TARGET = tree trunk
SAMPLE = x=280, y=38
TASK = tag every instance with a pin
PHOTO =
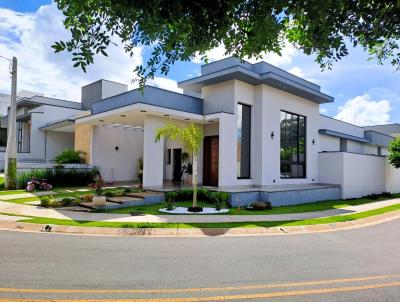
x=194, y=179
x=11, y=150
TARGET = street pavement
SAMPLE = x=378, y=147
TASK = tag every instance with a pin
x=354, y=265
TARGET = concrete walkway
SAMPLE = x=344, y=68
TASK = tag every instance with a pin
x=27, y=210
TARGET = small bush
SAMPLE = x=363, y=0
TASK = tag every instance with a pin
x=170, y=198
x=127, y=191
x=261, y=205
x=386, y=194
x=86, y=198
x=67, y=202
x=109, y=194
x=69, y=156
x=48, y=201
x=219, y=199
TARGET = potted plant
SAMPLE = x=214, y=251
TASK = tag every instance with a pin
x=99, y=199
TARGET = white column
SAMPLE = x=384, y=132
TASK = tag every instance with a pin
x=153, y=153
x=227, y=173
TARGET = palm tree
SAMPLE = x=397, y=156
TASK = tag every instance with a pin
x=190, y=137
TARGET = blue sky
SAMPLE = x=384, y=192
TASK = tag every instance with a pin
x=364, y=92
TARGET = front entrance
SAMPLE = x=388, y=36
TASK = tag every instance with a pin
x=177, y=171
x=210, y=160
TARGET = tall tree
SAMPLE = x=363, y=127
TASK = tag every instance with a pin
x=394, y=153
x=178, y=30
x=190, y=137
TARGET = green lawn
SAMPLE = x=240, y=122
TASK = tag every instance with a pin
x=302, y=208
x=332, y=219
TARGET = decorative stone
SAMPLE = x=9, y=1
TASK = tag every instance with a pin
x=184, y=210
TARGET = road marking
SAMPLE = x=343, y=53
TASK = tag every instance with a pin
x=200, y=289
x=223, y=298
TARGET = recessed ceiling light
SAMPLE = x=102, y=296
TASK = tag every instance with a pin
x=101, y=121
x=211, y=121
x=187, y=119
x=166, y=114
x=122, y=115
x=143, y=111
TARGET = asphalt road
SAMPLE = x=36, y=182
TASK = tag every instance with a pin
x=355, y=265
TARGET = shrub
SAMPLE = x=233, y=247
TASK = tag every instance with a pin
x=170, y=198
x=86, y=197
x=109, y=194
x=203, y=194
x=69, y=156
x=259, y=205
x=386, y=194
x=59, y=177
x=48, y=201
x=219, y=199
x=67, y=202
x=127, y=191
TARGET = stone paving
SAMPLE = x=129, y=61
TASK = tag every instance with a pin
x=28, y=210
x=26, y=195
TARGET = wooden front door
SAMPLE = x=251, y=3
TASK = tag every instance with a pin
x=210, y=160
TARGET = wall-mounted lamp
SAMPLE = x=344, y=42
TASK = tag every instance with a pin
x=116, y=148
x=272, y=135
x=313, y=141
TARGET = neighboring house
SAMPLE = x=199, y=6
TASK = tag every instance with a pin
x=46, y=126
x=264, y=137
x=389, y=129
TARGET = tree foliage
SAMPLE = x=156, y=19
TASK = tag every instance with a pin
x=394, y=153
x=178, y=30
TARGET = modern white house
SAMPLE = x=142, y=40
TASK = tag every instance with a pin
x=264, y=137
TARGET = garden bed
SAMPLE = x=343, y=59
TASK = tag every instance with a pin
x=184, y=210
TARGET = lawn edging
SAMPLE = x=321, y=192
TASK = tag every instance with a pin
x=291, y=228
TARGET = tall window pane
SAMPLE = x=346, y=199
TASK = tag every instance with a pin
x=243, y=141
x=293, y=145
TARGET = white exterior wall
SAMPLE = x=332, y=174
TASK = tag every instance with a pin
x=355, y=147
x=392, y=178
x=121, y=164
x=41, y=148
x=358, y=174
x=328, y=143
x=267, y=103
x=339, y=126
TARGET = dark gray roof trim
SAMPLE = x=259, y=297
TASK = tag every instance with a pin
x=370, y=137
x=259, y=73
x=377, y=138
x=58, y=124
x=343, y=135
x=151, y=96
x=41, y=100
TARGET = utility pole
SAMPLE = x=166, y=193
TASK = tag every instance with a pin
x=11, y=150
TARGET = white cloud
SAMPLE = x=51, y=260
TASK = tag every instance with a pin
x=363, y=111
x=165, y=83
x=286, y=57
x=28, y=36
x=323, y=110
x=297, y=71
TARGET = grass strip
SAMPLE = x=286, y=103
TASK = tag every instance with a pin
x=326, y=220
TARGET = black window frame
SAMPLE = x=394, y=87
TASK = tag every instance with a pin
x=298, y=162
x=249, y=141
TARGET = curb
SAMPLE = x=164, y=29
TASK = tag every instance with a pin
x=199, y=232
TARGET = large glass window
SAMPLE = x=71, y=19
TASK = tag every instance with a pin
x=243, y=141
x=293, y=148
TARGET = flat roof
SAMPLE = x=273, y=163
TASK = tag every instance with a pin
x=258, y=73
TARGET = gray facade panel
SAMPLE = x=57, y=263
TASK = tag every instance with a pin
x=151, y=96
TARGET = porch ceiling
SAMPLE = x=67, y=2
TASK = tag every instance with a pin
x=134, y=116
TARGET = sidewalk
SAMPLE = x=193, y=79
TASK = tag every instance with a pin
x=27, y=210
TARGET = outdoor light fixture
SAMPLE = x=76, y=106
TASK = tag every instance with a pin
x=211, y=121
x=101, y=121
x=122, y=115
x=143, y=111
x=166, y=114
x=313, y=141
x=187, y=119
x=272, y=135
